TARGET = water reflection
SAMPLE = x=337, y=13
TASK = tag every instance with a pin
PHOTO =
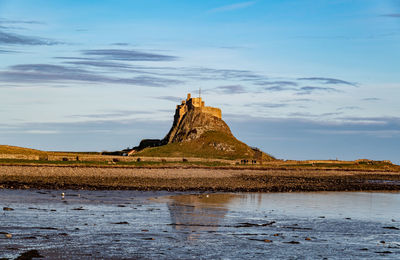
x=205, y=212
x=197, y=214
x=356, y=225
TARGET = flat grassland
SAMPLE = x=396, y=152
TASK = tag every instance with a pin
x=24, y=169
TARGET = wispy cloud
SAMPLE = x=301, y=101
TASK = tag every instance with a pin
x=39, y=73
x=230, y=89
x=371, y=99
x=329, y=81
x=300, y=100
x=72, y=58
x=309, y=115
x=17, y=39
x=310, y=89
x=276, y=86
x=101, y=64
x=393, y=15
x=121, y=58
x=41, y=132
x=112, y=115
x=170, y=98
x=120, y=44
x=376, y=133
x=7, y=51
x=299, y=85
x=232, y=7
x=121, y=61
x=389, y=121
x=348, y=108
x=88, y=127
x=10, y=27
x=277, y=83
x=223, y=74
x=7, y=21
x=267, y=105
x=127, y=55
x=47, y=68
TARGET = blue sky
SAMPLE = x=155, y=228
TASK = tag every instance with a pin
x=299, y=79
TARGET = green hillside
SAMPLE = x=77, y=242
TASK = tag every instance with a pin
x=211, y=144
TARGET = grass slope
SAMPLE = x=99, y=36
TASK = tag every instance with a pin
x=8, y=149
x=16, y=150
x=212, y=144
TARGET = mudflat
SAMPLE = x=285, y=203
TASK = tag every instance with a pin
x=196, y=178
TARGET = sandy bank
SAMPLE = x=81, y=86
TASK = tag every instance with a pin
x=210, y=179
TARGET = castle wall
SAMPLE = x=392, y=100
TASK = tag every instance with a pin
x=195, y=102
x=212, y=111
x=191, y=103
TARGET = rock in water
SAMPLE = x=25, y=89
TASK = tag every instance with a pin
x=29, y=255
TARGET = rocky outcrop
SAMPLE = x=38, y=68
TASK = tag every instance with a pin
x=199, y=131
x=193, y=125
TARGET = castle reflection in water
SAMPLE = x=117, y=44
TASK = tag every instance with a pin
x=196, y=214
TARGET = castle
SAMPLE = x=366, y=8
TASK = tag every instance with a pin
x=191, y=103
x=186, y=106
x=199, y=131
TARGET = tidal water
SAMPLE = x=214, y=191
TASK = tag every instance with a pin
x=163, y=225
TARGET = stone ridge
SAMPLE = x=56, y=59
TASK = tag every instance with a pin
x=192, y=118
x=193, y=124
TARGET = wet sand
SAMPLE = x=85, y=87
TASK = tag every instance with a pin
x=197, y=179
x=71, y=224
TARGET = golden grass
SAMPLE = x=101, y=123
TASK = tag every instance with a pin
x=8, y=149
x=172, y=155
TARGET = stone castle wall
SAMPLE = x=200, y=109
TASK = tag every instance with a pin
x=196, y=102
x=191, y=103
x=212, y=111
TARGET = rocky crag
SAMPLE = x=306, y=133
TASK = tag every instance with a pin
x=199, y=131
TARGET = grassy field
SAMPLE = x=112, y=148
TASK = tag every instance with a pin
x=346, y=167
x=154, y=157
x=111, y=163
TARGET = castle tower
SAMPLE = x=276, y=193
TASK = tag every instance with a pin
x=194, y=103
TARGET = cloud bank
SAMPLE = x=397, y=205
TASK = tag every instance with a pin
x=17, y=39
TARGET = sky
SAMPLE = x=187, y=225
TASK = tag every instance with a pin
x=308, y=79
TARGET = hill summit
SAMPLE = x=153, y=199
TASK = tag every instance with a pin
x=199, y=131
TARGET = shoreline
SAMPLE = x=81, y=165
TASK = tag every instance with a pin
x=178, y=178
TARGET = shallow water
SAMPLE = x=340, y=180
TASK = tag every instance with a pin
x=134, y=224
